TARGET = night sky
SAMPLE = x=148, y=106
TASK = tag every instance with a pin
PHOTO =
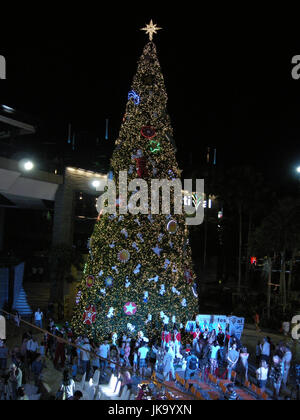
x=228, y=81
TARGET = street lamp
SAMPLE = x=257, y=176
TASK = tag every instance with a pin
x=298, y=169
x=96, y=184
x=28, y=165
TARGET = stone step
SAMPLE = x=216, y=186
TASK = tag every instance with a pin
x=22, y=305
x=38, y=294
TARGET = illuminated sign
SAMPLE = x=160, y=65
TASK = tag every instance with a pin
x=196, y=201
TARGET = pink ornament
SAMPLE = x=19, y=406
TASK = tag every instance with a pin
x=130, y=308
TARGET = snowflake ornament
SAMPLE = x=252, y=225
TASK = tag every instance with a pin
x=130, y=327
x=167, y=263
x=124, y=232
x=155, y=279
x=134, y=245
x=137, y=269
x=162, y=290
x=146, y=294
x=140, y=237
x=127, y=283
x=149, y=319
x=110, y=313
x=157, y=250
x=160, y=236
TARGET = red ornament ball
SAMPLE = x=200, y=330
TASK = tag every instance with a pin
x=148, y=132
x=90, y=281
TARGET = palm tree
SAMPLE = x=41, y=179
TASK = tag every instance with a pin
x=242, y=190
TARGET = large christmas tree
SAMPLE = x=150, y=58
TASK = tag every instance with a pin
x=139, y=276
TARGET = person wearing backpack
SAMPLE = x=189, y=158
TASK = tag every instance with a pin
x=191, y=365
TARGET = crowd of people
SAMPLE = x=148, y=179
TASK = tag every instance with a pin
x=275, y=365
x=214, y=352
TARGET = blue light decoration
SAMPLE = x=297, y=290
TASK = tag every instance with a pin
x=69, y=136
x=133, y=95
x=215, y=156
x=106, y=128
x=171, y=175
x=109, y=281
x=194, y=290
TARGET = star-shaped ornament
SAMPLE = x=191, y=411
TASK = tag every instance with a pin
x=157, y=250
x=130, y=308
x=151, y=29
x=89, y=316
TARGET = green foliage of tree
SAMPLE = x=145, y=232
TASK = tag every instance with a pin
x=125, y=264
x=279, y=234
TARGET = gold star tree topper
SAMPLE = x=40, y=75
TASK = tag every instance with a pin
x=151, y=29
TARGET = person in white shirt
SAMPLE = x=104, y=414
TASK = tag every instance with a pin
x=265, y=350
x=262, y=375
x=104, y=351
x=168, y=363
x=85, y=357
x=142, y=353
x=38, y=316
x=32, y=347
x=67, y=388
